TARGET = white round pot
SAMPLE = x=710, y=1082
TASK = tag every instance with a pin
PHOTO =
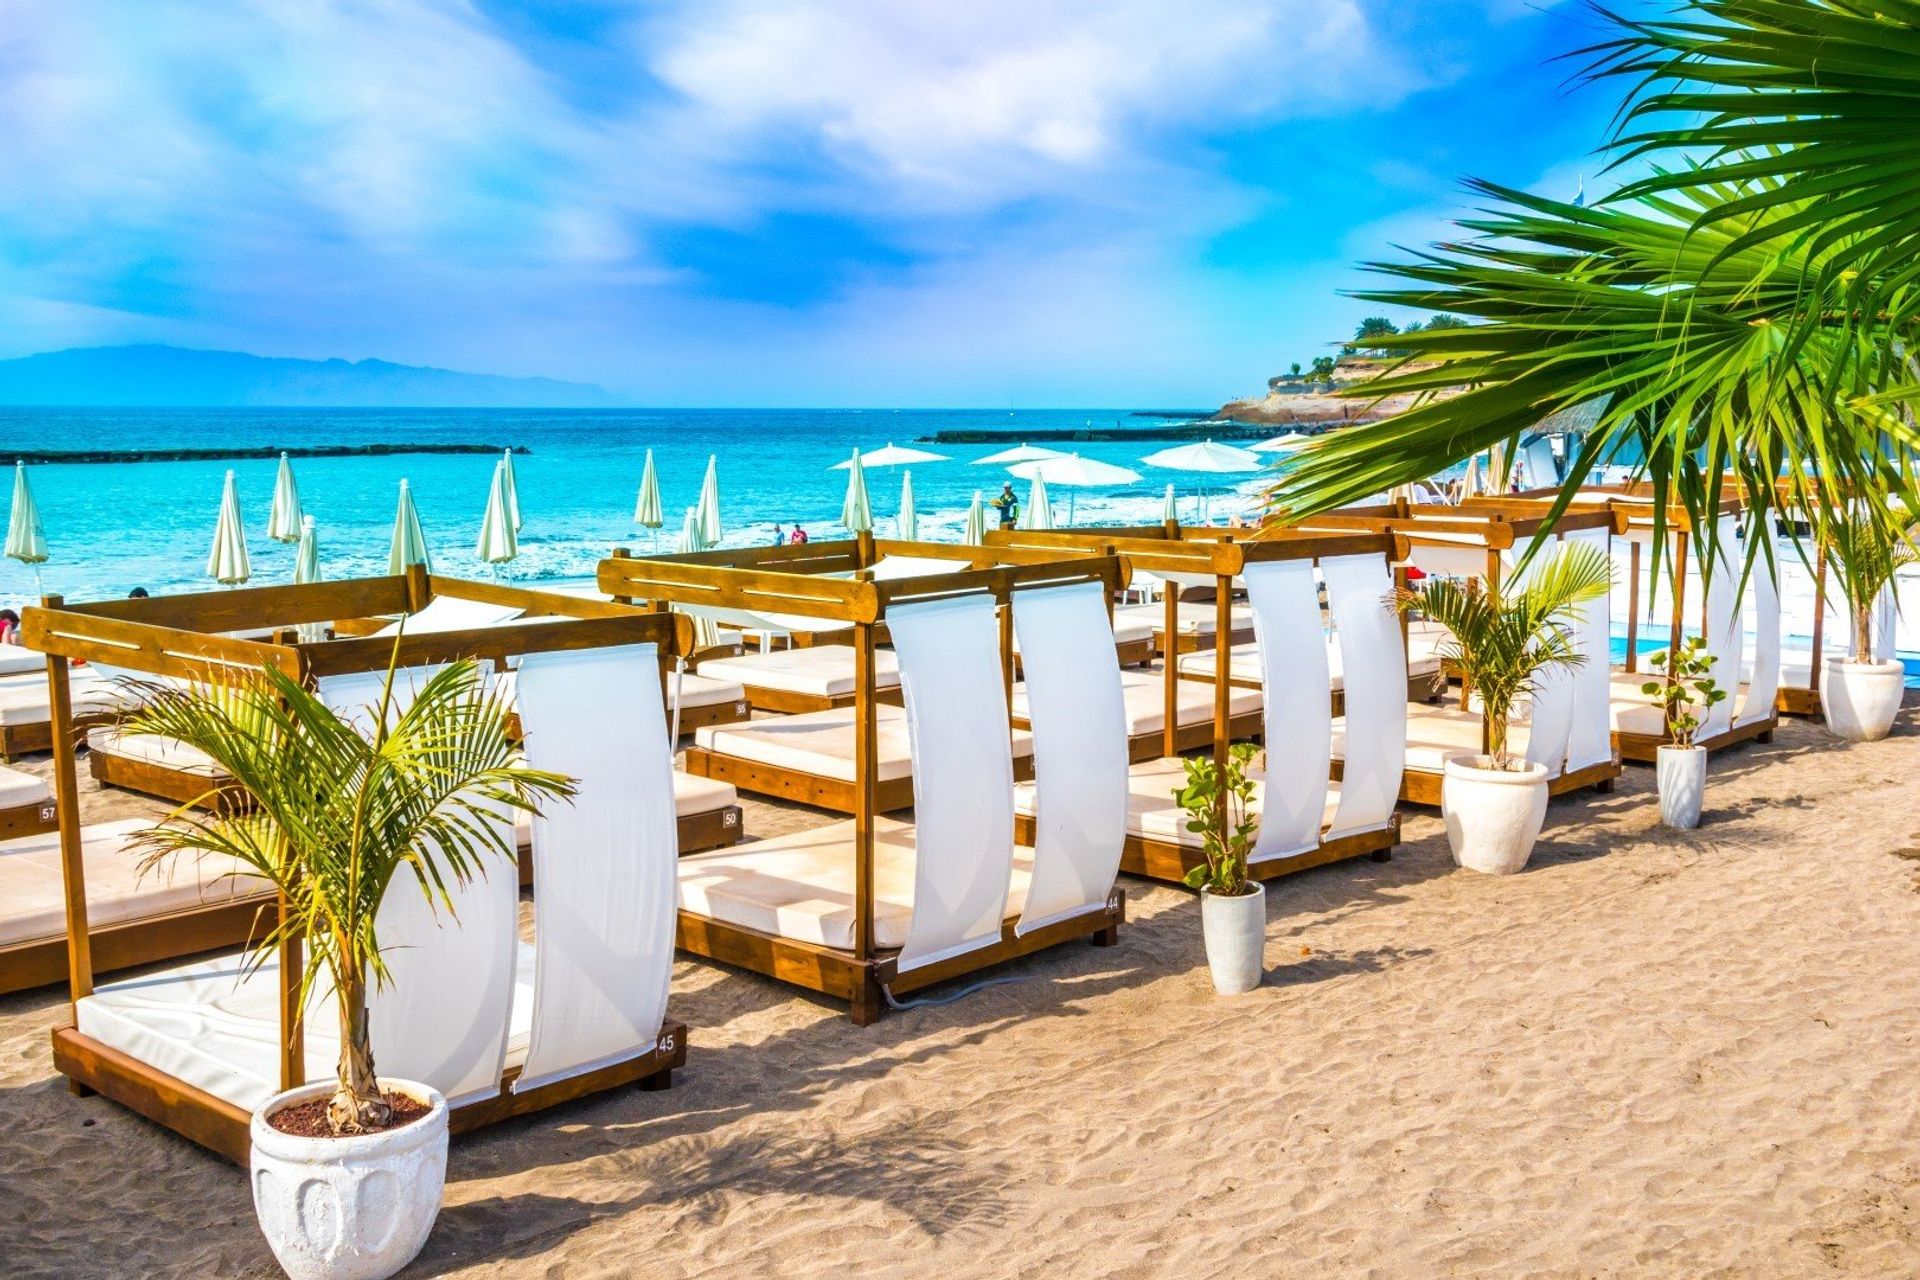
x=1683, y=784
x=1493, y=815
x=1235, y=930
x=356, y=1208
x=1860, y=699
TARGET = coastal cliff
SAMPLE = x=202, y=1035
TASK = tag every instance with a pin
x=1296, y=402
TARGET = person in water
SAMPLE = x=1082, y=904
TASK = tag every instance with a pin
x=1008, y=506
x=799, y=536
x=780, y=535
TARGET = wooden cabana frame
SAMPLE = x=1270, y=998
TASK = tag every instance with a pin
x=1494, y=531
x=865, y=975
x=770, y=578
x=180, y=637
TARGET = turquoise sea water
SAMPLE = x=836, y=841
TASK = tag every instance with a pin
x=114, y=526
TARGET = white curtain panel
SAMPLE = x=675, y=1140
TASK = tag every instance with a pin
x=950, y=679
x=1079, y=723
x=1373, y=660
x=1297, y=695
x=1589, y=740
x=442, y=1019
x=1723, y=625
x=1550, y=704
x=605, y=890
x=1449, y=560
x=1763, y=685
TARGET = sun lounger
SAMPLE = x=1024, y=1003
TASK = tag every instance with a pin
x=26, y=805
x=1143, y=692
x=1424, y=677
x=1195, y=627
x=18, y=661
x=26, y=714
x=815, y=678
x=500, y=1027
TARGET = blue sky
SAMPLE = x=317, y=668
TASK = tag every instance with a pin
x=780, y=202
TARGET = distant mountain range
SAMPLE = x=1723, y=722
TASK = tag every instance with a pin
x=163, y=375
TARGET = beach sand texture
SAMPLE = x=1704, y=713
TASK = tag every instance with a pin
x=1653, y=1054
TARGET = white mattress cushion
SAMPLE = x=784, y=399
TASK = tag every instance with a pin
x=35, y=900
x=19, y=789
x=16, y=660
x=1153, y=814
x=1192, y=617
x=801, y=886
x=1436, y=733
x=1245, y=664
x=1128, y=628
x=1144, y=692
x=1632, y=711
x=154, y=749
x=822, y=670
x=23, y=698
x=216, y=1027
x=692, y=797
x=694, y=690
x=820, y=743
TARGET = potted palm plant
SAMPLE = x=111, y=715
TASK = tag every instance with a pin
x=1684, y=697
x=1494, y=802
x=333, y=817
x=1859, y=696
x=1233, y=907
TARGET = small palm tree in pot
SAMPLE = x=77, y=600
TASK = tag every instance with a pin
x=334, y=810
x=1502, y=641
x=1860, y=696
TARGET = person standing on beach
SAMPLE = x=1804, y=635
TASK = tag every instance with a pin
x=780, y=535
x=799, y=536
x=1008, y=506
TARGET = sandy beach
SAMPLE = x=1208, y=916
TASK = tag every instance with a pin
x=1651, y=1054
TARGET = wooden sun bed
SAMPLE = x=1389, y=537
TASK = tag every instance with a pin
x=26, y=805
x=1425, y=679
x=1144, y=692
x=819, y=909
x=817, y=677
x=179, y=637
x=26, y=715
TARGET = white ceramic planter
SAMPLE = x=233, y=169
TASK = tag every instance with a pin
x=1682, y=776
x=1860, y=699
x=1235, y=930
x=349, y=1208
x=1493, y=816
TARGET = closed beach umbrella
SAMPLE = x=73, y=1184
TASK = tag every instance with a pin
x=283, y=522
x=892, y=455
x=1170, y=514
x=691, y=539
x=1075, y=472
x=306, y=568
x=856, y=513
x=646, y=511
x=907, y=526
x=498, y=543
x=25, y=540
x=227, y=562
x=1039, y=510
x=1019, y=453
x=409, y=543
x=976, y=521
x=709, y=507
x=512, y=487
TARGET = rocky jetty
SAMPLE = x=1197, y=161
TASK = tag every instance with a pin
x=37, y=456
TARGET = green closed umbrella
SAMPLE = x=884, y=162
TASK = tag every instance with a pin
x=283, y=522
x=646, y=511
x=227, y=562
x=409, y=543
x=513, y=488
x=709, y=507
x=856, y=513
x=1039, y=511
x=306, y=569
x=1171, y=512
x=26, y=542
x=976, y=533
x=906, y=526
x=498, y=544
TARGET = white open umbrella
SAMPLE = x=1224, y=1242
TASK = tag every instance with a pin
x=976, y=533
x=906, y=526
x=1281, y=444
x=1039, y=508
x=512, y=487
x=856, y=513
x=498, y=542
x=227, y=562
x=25, y=540
x=709, y=507
x=409, y=544
x=306, y=568
x=892, y=455
x=1075, y=472
x=1019, y=453
x=1209, y=457
x=646, y=510
x=283, y=522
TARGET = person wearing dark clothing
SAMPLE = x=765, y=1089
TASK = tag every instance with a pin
x=1008, y=506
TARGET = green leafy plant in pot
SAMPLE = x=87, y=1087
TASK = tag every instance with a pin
x=1502, y=641
x=334, y=816
x=1684, y=697
x=1233, y=913
x=1866, y=546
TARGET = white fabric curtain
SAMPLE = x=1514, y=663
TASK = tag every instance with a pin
x=1078, y=718
x=950, y=679
x=1763, y=685
x=1297, y=705
x=1589, y=740
x=1550, y=705
x=443, y=1017
x=1449, y=560
x=1373, y=660
x=605, y=890
x=1723, y=626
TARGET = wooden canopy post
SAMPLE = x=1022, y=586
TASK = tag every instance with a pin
x=1819, y=615
x=1170, y=669
x=1222, y=693
x=66, y=791
x=865, y=763
x=1633, y=606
